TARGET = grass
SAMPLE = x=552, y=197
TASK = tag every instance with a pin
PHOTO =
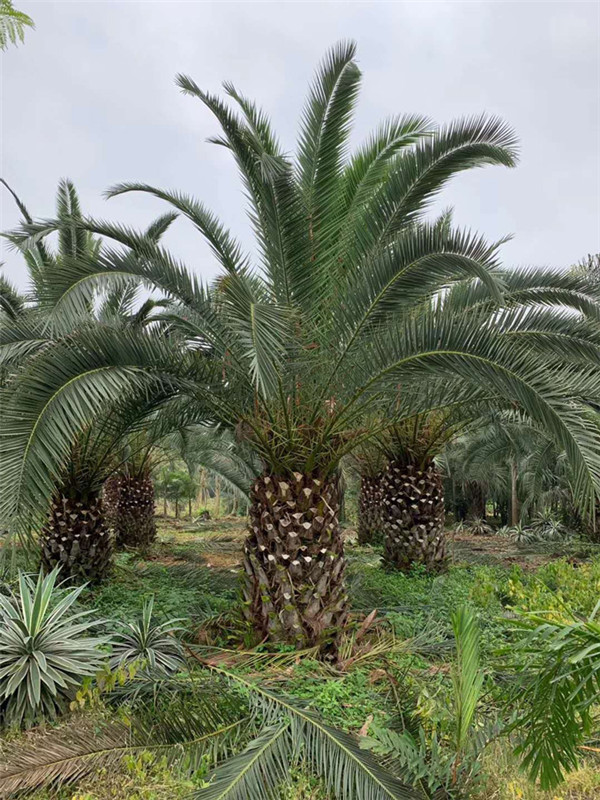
x=192, y=573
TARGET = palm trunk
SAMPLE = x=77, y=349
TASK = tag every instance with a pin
x=369, y=510
x=477, y=500
x=514, y=498
x=294, y=561
x=413, y=517
x=77, y=538
x=110, y=498
x=203, y=487
x=217, y=498
x=133, y=517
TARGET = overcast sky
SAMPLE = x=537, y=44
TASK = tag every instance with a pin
x=91, y=96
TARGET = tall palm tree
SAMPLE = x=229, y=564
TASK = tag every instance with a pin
x=294, y=352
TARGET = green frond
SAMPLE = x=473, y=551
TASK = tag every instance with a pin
x=257, y=772
x=12, y=24
x=226, y=249
x=418, y=175
x=335, y=756
x=467, y=676
x=324, y=130
x=160, y=226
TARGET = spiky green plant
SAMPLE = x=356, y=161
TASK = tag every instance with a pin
x=357, y=307
x=548, y=528
x=522, y=535
x=45, y=649
x=479, y=527
x=148, y=643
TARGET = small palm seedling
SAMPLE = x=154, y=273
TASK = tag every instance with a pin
x=152, y=645
x=444, y=761
x=479, y=527
x=45, y=650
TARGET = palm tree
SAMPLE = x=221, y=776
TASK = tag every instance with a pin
x=128, y=495
x=295, y=353
x=368, y=462
x=412, y=492
x=411, y=488
x=76, y=532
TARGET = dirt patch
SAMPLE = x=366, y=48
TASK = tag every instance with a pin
x=499, y=551
x=223, y=560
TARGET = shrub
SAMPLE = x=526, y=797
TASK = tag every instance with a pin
x=45, y=651
x=479, y=527
x=521, y=535
x=556, y=585
x=149, y=643
x=550, y=529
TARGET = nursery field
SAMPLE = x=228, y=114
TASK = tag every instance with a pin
x=375, y=444
x=395, y=669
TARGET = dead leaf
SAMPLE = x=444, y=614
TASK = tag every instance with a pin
x=366, y=725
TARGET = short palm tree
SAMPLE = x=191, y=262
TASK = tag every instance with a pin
x=412, y=492
x=128, y=495
x=295, y=352
x=76, y=534
x=368, y=462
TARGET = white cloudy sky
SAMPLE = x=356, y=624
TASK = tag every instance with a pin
x=91, y=96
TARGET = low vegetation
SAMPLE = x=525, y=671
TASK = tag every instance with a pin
x=422, y=681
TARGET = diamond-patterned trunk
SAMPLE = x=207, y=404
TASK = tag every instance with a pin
x=130, y=509
x=369, y=510
x=413, y=517
x=77, y=538
x=293, y=582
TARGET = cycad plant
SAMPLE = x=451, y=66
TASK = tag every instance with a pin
x=335, y=321
x=45, y=649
